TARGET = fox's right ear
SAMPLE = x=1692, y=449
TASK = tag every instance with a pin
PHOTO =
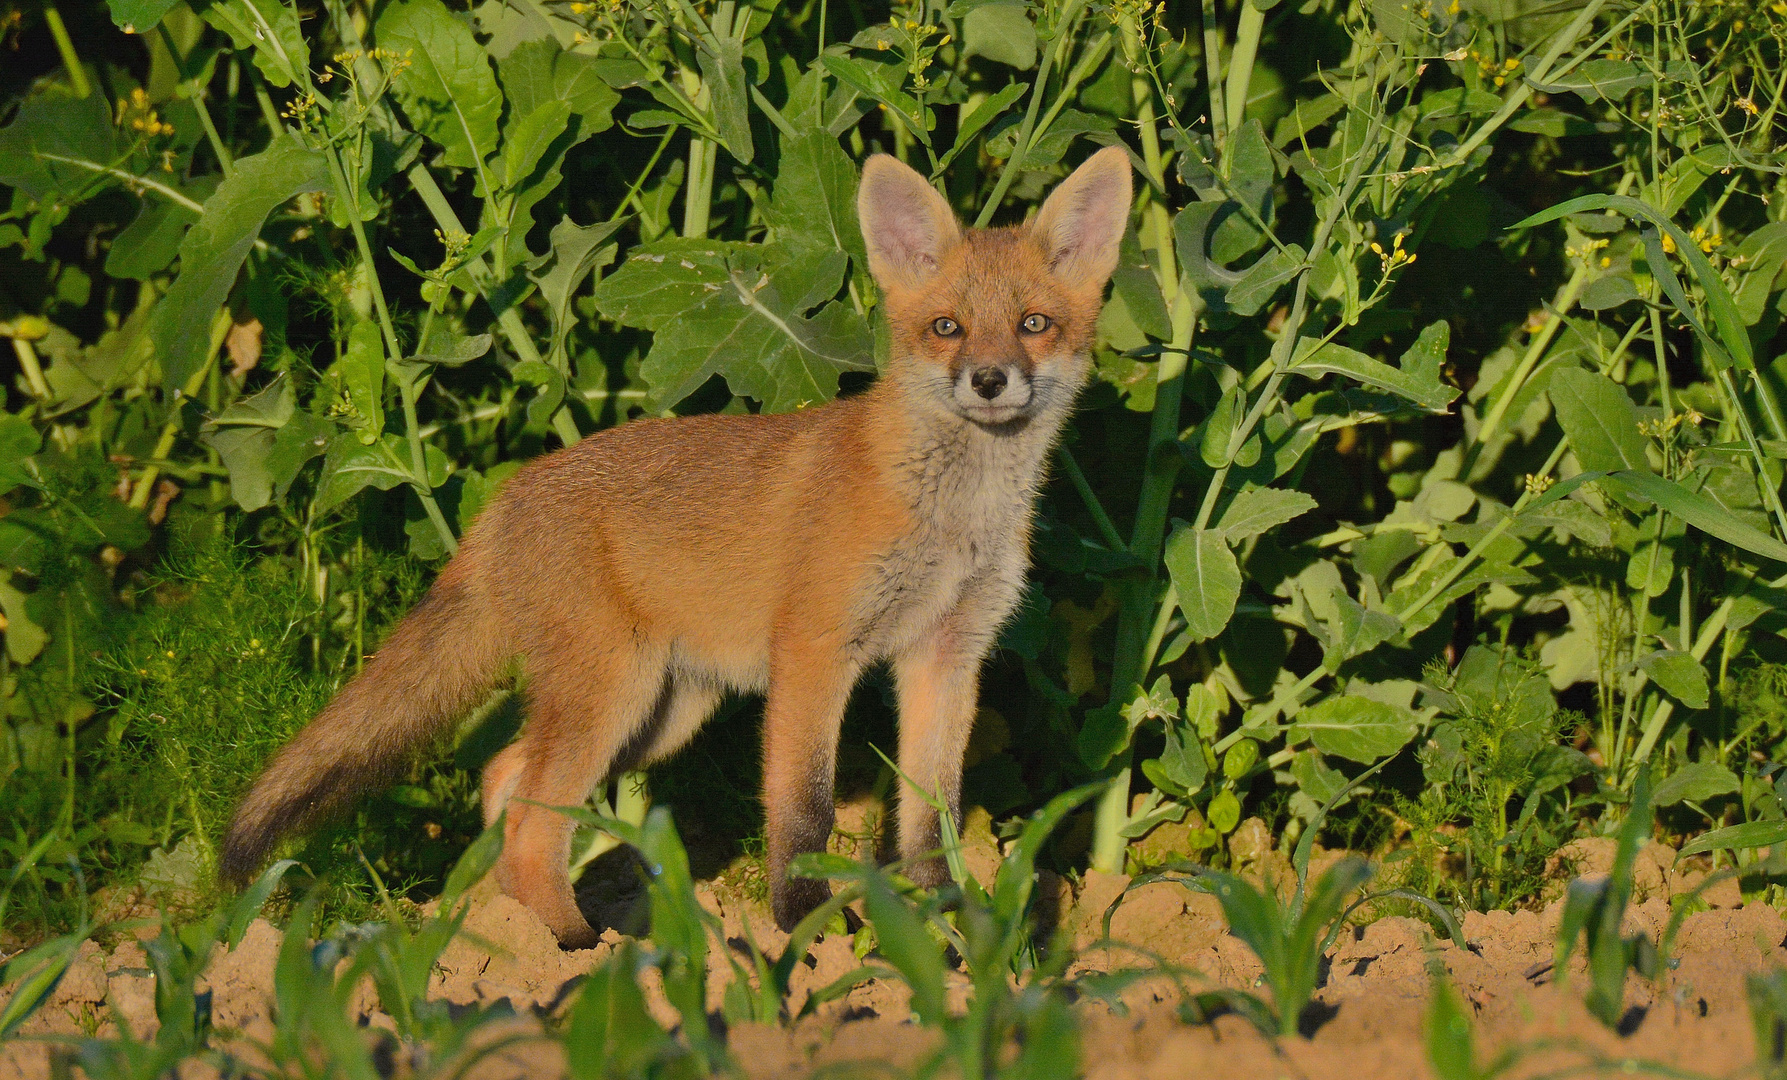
x=906, y=225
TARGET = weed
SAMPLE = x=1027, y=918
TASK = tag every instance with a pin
x=1496, y=803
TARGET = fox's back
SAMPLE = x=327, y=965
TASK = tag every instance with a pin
x=704, y=527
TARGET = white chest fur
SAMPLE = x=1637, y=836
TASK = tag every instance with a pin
x=971, y=495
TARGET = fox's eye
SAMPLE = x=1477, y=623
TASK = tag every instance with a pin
x=1035, y=324
x=946, y=327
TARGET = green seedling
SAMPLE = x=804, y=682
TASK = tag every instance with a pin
x=1010, y=1001
x=1594, y=909
x=1767, y=992
x=178, y=958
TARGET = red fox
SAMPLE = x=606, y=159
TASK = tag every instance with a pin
x=643, y=572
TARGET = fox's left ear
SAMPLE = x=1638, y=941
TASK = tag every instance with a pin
x=1081, y=223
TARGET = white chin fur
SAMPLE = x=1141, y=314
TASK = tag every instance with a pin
x=1017, y=399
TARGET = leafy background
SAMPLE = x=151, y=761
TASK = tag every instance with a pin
x=1430, y=476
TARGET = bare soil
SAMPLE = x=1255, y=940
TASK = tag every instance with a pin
x=1366, y=1022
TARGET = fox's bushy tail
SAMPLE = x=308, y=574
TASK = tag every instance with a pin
x=436, y=665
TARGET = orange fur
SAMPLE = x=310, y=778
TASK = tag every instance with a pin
x=644, y=571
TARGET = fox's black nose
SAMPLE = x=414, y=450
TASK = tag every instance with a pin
x=989, y=382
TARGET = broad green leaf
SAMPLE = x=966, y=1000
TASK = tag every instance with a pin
x=1264, y=278
x=1608, y=292
x=1599, y=419
x=525, y=142
x=55, y=144
x=152, y=240
x=24, y=638
x=1134, y=287
x=1697, y=510
x=138, y=16
x=1356, y=630
x=658, y=282
x=447, y=90
x=1219, y=427
x=1610, y=79
x=1418, y=379
x=1102, y=733
x=267, y=29
x=1697, y=783
x=451, y=350
x=363, y=377
x=1651, y=569
x=1251, y=513
x=1751, y=834
x=1206, y=577
x=1049, y=147
x=723, y=70
x=1401, y=601
x=1680, y=675
x=813, y=207
x=576, y=251
x=351, y=465
x=1001, y=32
x=983, y=114
x=305, y=436
x=1252, y=168
x=1356, y=728
x=1316, y=779
x=1224, y=815
x=1678, y=183
x=537, y=72
x=1182, y=761
x=215, y=248
x=740, y=312
x=19, y=439
x=243, y=436
x=538, y=78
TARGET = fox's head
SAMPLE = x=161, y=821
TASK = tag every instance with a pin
x=993, y=325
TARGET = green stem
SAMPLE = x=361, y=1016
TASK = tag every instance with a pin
x=1458, y=568
x=1138, y=612
x=1247, y=43
x=394, y=352
x=698, y=191
x=71, y=60
x=1112, y=538
x=1524, y=88
x=224, y=158
x=1566, y=299
x=1742, y=417
x=508, y=320
x=1219, y=116
x=170, y=431
x=1665, y=708
x=1020, y=147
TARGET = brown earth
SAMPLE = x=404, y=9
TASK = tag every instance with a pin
x=1366, y=1022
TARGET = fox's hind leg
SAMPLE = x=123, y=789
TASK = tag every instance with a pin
x=501, y=774
x=583, y=709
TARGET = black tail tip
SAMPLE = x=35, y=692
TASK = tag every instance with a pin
x=242, y=858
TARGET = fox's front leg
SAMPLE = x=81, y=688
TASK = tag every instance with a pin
x=939, y=686
x=809, y=687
